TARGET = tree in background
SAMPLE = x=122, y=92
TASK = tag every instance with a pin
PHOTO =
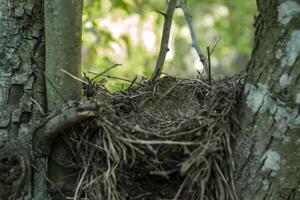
x=267, y=151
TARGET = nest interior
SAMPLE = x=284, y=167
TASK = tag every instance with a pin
x=164, y=139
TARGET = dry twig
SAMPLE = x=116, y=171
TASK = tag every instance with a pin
x=193, y=35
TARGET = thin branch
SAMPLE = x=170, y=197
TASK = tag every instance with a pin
x=165, y=39
x=106, y=70
x=74, y=77
x=55, y=89
x=132, y=83
x=215, y=45
x=209, y=65
x=193, y=35
x=160, y=12
x=180, y=189
x=209, y=53
x=38, y=105
x=63, y=120
x=117, y=78
x=80, y=183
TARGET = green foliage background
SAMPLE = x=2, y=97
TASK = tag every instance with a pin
x=129, y=31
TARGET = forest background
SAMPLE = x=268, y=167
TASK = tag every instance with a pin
x=128, y=32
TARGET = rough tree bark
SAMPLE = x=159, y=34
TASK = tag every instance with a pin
x=267, y=156
x=22, y=97
x=23, y=80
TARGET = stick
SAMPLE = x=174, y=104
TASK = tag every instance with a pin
x=193, y=35
x=80, y=183
x=165, y=39
x=106, y=70
x=209, y=65
x=53, y=86
x=132, y=83
x=74, y=77
x=117, y=78
x=209, y=53
x=215, y=45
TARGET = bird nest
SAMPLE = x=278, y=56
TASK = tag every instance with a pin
x=164, y=139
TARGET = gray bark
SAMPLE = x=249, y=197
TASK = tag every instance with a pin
x=267, y=155
x=63, y=51
x=22, y=97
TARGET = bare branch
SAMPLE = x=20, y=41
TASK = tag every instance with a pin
x=193, y=35
x=106, y=70
x=63, y=120
x=160, y=12
x=165, y=39
x=209, y=65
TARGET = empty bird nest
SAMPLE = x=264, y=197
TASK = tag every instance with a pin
x=168, y=139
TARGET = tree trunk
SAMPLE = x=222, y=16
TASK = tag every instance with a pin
x=63, y=66
x=267, y=155
x=63, y=51
x=22, y=98
x=23, y=159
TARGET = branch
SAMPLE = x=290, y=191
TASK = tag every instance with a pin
x=63, y=51
x=165, y=39
x=209, y=65
x=193, y=35
x=63, y=120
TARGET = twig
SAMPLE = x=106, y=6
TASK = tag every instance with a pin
x=215, y=45
x=165, y=39
x=53, y=86
x=132, y=83
x=160, y=12
x=180, y=189
x=225, y=181
x=193, y=35
x=117, y=78
x=74, y=77
x=191, y=100
x=168, y=142
x=209, y=53
x=80, y=183
x=209, y=65
x=39, y=106
x=106, y=70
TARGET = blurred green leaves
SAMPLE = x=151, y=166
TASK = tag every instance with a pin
x=129, y=32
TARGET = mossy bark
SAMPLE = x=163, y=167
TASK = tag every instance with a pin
x=267, y=155
x=22, y=98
